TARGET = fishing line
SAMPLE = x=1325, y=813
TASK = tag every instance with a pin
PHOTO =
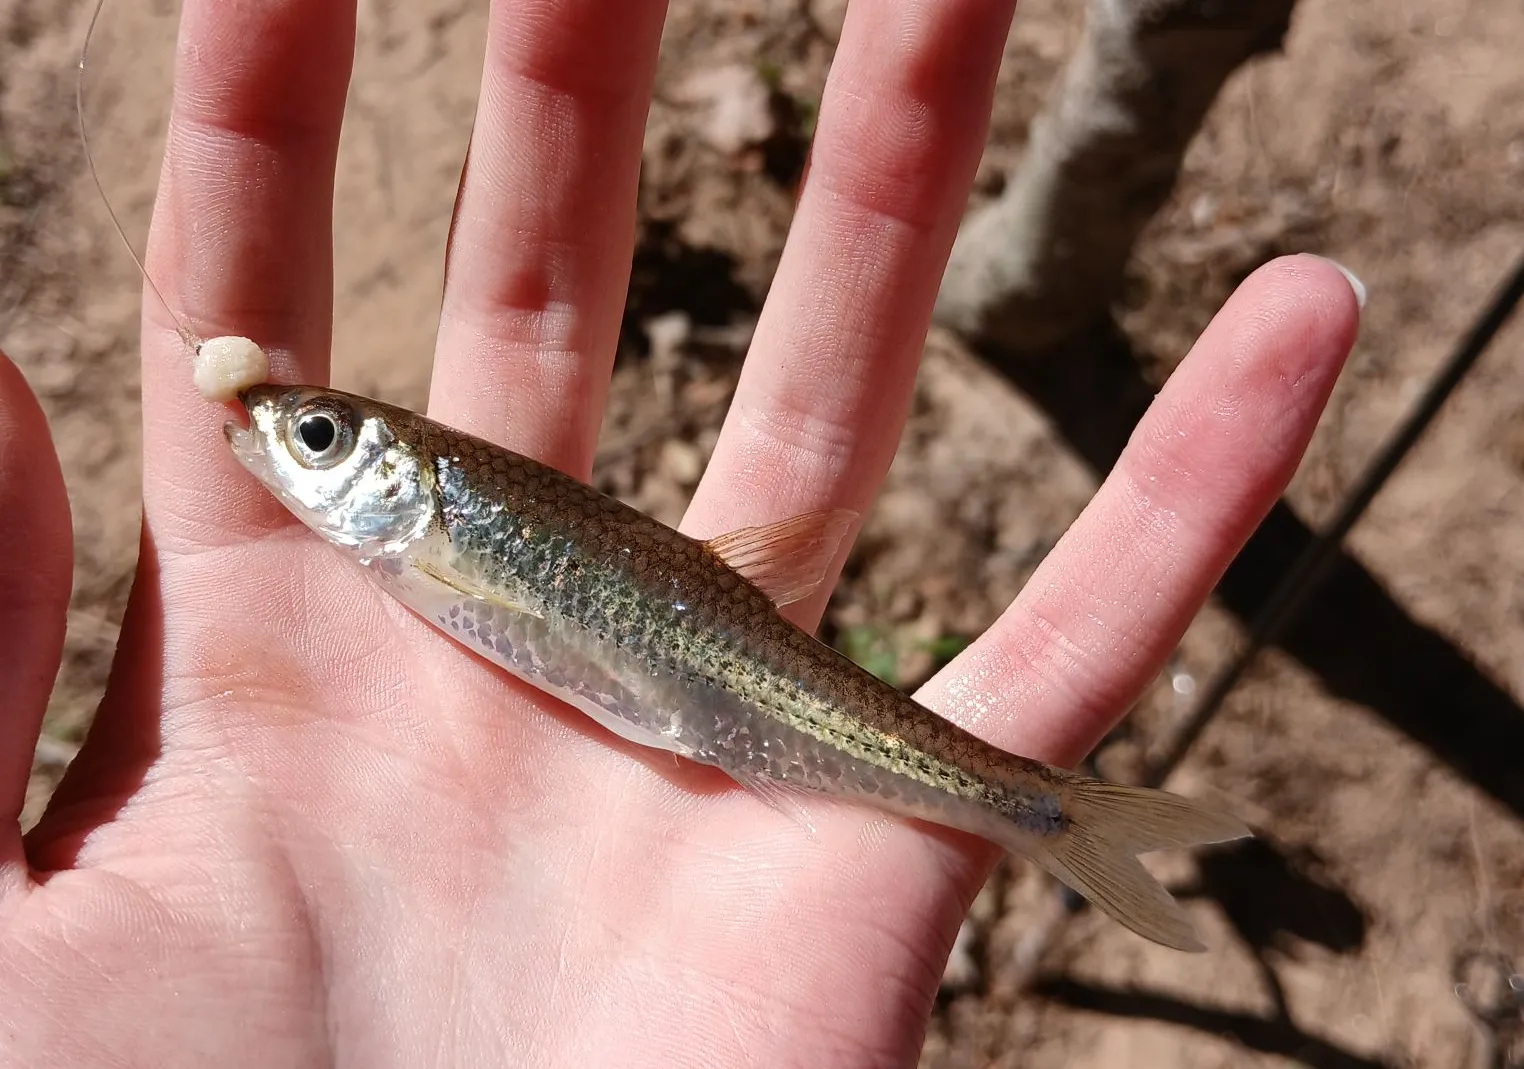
x=189, y=337
x=222, y=366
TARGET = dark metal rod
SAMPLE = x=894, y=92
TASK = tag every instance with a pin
x=1303, y=578
x=1306, y=575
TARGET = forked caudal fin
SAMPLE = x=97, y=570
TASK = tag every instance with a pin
x=1096, y=854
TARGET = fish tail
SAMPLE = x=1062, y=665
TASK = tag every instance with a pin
x=1107, y=826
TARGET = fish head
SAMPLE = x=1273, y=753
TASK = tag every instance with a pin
x=350, y=468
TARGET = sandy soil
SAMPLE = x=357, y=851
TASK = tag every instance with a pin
x=1377, y=749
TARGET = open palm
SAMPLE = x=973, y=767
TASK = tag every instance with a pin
x=307, y=830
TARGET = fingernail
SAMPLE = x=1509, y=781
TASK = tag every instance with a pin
x=1354, y=281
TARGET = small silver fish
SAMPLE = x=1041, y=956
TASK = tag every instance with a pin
x=678, y=644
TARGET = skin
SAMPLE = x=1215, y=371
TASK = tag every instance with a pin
x=308, y=831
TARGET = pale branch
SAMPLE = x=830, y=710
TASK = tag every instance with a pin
x=1043, y=263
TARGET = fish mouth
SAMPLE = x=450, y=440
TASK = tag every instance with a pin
x=250, y=444
x=250, y=449
x=246, y=445
x=241, y=439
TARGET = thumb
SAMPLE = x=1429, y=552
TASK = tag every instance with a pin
x=36, y=569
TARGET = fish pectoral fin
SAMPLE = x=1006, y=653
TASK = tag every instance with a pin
x=781, y=797
x=466, y=588
x=787, y=560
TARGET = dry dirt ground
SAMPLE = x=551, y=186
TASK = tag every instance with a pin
x=1378, y=750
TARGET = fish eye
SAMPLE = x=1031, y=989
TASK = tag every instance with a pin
x=320, y=437
x=317, y=432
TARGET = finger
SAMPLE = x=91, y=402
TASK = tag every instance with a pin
x=823, y=396
x=544, y=225
x=1214, y=451
x=241, y=241
x=36, y=567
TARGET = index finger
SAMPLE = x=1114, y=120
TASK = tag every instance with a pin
x=241, y=241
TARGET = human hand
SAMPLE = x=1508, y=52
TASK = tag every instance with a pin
x=306, y=829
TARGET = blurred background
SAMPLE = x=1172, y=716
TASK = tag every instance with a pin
x=1376, y=745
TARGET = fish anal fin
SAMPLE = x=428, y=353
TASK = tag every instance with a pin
x=787, y=560
x=466, y=588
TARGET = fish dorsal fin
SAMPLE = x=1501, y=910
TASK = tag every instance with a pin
x=787, y=560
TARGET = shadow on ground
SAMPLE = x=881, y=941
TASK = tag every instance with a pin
x=1350, y=633
x=1275, y=898
x=1268, y=1035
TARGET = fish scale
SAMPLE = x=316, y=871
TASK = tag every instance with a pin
x=680, y=645
x=755, y=695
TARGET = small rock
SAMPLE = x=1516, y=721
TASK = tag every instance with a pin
x=668, y=333
x=54, y=378
x=735, y=105
x=962, y=971
x=830, y=16
x=681, y=462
